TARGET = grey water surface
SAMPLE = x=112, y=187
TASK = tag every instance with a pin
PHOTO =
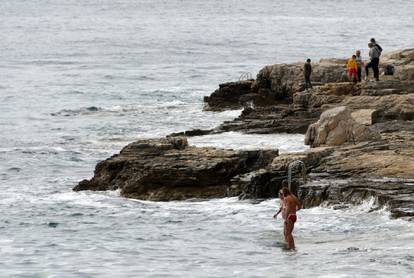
x=81, y=79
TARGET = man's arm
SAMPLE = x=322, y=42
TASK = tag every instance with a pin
x=280, y=209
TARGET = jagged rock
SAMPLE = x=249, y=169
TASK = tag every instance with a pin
x=272, y=119
x=265, y=183
x=336, y=127
x=192, y=132
x=272, y=109
x=332, y=93
x=273, y=85
x=403, y=62
x=258, y=184
x=390, y=99
x=283, y=80
x=399, y=57
x=387, y=107
x=350, y=173
x=395, y=194
x=229, y=95
x=364, y=116
x=169, y=169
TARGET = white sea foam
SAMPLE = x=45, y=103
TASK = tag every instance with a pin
x=234, y=140
x=85, y=199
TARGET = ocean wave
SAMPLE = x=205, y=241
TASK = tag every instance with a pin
x=239, y=141
x=74, y=112
x=92, y=110
x=51, y=62
x=86, y=199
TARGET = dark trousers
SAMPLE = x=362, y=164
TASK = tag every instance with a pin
x=359, y=71
x=374, y=64
x=308, y=83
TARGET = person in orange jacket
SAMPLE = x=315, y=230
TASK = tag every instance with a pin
x=352, y=68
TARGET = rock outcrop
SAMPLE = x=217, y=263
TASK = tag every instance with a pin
x=335, y=127
x=169, y=169
x=283, y=80
x=274, y=84
x=362, y=137
x=231, y=95
x=389, y=100
x=380, y=169
x=403, y=62
x=394, y=194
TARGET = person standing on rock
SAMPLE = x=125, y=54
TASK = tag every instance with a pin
x=374, y=54
x=307, y=69
x=360, y=64
x=352, y=67
x=372, y=40
x=292, y=205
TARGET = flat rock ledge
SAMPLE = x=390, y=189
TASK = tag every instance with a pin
x=169, y=169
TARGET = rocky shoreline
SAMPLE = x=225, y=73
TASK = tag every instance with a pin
x=361, y=137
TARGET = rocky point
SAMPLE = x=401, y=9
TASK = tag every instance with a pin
x=361, y=137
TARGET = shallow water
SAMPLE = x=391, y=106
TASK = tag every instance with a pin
x=102, y=235
x=81, y=79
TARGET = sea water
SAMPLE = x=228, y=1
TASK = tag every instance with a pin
x=81, y=79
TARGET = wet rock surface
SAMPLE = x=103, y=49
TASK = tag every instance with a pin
x=231, y=95
x=394, y=194
x=169, y=169
x=381, y=169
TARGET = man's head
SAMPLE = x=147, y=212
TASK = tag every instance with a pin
x=358, y=53
x=286, y=191
x=308, y=60
x=372, y=40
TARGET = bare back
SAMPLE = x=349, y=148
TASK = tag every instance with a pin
x=292, y=204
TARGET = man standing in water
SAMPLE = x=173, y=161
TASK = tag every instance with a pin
x=291, y=205
x=282, y=208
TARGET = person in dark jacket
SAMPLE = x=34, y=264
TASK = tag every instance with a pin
x=374, y=55
x=307, y=69
x=375, y=43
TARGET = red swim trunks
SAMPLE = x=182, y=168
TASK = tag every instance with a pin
x=292, y=217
